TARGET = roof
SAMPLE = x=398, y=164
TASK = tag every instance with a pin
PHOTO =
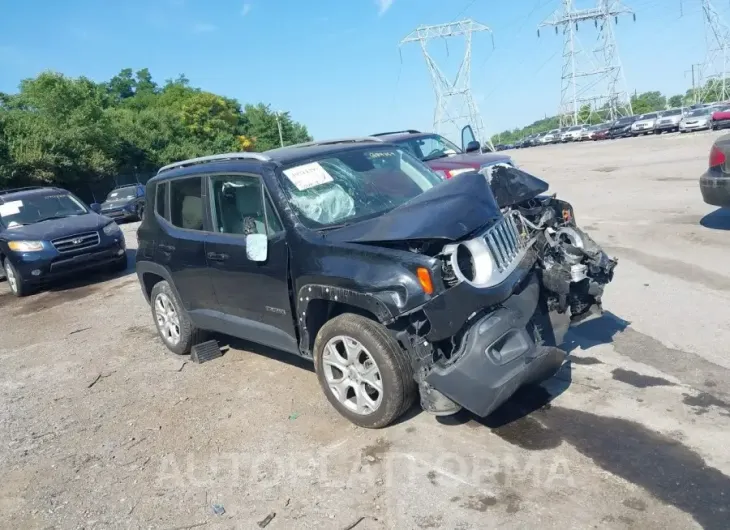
x=16, y=193
x=293, y=153
x=282, y=155
x=401, y=135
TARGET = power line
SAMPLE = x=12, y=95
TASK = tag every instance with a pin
x=448, y=92
x=576, y=74
x=715, y=66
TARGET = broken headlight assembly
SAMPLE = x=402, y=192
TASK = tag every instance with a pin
x=489, y=258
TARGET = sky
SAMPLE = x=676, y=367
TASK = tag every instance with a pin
x=336, y=65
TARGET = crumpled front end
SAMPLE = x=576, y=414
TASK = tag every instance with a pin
x=511, y=292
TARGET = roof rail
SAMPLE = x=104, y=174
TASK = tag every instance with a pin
x=334, y=141
x=409, y=131
x=27, y=188
x=215, y=158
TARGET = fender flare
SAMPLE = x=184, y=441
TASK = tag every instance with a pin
x=366, y=301
x=149, y=267
x=309, y=292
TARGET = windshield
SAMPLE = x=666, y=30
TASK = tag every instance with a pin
x=429, y=147
x=351, y=186
x=624, y=121
x=576, y=128
x=673, y=112
x=648, y=116
x=120, y=194
x=700, y=112
x=553, y=131
x=36, y=208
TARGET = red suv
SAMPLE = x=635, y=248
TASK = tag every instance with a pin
x=443, y=156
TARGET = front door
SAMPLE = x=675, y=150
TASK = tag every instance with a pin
x=467, y=136
x=253, y=295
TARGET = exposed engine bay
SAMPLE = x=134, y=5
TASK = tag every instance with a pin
x=512, y=289
x=573, y=268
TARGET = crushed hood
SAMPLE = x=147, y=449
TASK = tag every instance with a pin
x=449, y=211
x=511, y=186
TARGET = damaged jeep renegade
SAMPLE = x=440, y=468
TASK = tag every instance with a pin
x=354, y=254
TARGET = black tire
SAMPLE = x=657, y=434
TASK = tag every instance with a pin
x=396, y=372
x=189, y=334
x=140, y=212
x=21, y=288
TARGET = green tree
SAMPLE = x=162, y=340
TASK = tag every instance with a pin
x=648, y=102
x=675, y=101
x=82, y=135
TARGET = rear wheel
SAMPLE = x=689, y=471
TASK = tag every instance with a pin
x=173, y=323
x=363, y=371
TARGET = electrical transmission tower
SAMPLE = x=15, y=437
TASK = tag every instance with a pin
x=714, y=71
x=594, y=79
x=454, y=102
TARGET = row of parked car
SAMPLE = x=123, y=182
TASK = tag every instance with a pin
x=698, y=117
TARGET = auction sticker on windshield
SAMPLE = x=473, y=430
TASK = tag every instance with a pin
x=10, y=208
x=308, y=176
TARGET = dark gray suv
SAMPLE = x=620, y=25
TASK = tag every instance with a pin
x=356, y=255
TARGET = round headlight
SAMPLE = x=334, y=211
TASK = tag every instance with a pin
x=465, y=262
x=472, y=262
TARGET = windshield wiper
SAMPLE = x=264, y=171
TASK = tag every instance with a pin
x=52, y=217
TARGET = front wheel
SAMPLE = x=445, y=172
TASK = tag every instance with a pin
x=364, y=372
x=15, y=281
x=173, y=323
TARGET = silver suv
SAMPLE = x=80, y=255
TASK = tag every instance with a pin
x=668, y=120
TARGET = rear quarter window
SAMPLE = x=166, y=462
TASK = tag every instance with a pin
x=161, y=200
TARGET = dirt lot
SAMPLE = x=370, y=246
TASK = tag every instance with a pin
x=100, y=428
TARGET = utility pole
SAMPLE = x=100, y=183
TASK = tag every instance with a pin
x=594, y=79
x=696, y=72
x=278, y=124
x=716, y=64
x=450, y=93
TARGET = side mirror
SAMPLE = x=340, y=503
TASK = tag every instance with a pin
x=257, y=247
x=473, y=146
x=95, y=207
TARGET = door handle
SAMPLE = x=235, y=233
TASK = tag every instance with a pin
x=166, y=248
x=216, y=256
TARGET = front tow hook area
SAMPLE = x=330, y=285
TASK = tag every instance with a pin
x=499, y=356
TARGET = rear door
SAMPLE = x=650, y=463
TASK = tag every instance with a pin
x=256, y=294
x=180, y=245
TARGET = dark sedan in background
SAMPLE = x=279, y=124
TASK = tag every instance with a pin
x=621, y=128
x=715, y=182
x=125, y=203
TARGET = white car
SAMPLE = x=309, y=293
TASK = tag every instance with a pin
x=669, y=120
x=696, y=120
x=550, y=137
x=573, y=133
x=645, y=124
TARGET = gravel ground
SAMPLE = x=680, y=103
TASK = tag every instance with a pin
x=101, y=428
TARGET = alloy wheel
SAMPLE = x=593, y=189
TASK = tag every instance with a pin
x=168, y=321
x=12, y=279
x=352, y=375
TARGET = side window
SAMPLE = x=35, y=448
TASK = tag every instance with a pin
x=186, y=203
x=161, y=200
x=239, y=208
x=272, y=218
